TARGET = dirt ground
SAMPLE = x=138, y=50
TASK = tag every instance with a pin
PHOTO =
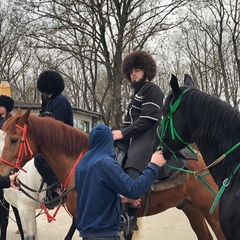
x=169, y=225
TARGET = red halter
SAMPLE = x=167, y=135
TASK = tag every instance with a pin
x=24, y=148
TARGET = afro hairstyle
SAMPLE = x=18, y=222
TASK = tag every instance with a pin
x=50, y=82
x=142, y=60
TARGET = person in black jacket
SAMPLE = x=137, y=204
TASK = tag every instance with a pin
x=9, y=181
x=56, y=105
x=6, y=106
x=143, y=115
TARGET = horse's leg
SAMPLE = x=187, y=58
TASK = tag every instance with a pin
x=4, y=213
x=28, y=221
x=127, y=235
x=4, y=222
x=213, y=220
x=204, y=193
x=18, y=220
x=197, y=221
x=71, y=231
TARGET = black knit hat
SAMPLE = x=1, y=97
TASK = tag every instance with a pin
x=141, y=60
x=50, y=82
x=6, y=102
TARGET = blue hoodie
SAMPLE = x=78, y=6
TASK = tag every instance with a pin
x=99, y=180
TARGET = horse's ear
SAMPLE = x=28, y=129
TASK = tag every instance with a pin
x=24, y=118
x=174, y=85
x=188, y=80
x=19, y=112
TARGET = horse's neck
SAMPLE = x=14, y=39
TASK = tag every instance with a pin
x=60, y=163
x=210, y=155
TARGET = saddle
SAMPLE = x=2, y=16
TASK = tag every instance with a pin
x=120, y=151
x=167, y=177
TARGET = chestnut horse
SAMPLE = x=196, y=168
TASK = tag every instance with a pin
x=63, y=145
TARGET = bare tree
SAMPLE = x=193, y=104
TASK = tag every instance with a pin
x=15, y=57
x=210, y=43
x=94, y=35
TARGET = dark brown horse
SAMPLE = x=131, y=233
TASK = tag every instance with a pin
x=193, y=198
x=63, y=145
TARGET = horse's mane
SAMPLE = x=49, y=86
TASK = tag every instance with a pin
x=53, y=133
x=219, y=119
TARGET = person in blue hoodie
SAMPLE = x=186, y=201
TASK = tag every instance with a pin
x=99, y=182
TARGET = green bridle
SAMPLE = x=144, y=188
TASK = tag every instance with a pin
x=167, y=121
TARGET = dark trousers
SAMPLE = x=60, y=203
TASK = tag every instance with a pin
x=45, y=170
x=131, y=210
x=105, y=238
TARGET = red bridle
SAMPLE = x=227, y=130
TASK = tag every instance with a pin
x=23, y=149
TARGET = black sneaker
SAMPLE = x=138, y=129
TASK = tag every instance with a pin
x=133, y=223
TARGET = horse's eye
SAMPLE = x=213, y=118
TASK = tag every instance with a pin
x=14, y=140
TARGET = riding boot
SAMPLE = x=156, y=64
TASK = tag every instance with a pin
x=124, y=217
x=52, y=198
x=132, y=213
x=132, y=210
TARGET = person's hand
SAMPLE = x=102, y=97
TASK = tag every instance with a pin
x=14, y=182
x=132, y=201
x=117, y=134
x=158, y=158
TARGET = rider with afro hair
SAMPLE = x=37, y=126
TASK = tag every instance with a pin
x=51, y=85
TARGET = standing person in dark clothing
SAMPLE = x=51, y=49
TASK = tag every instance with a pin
x=99, y=180
x=144, y=112
x=6, y=107
x=51, y=85
x=9, y=181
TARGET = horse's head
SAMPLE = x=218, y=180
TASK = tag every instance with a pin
x=15, y=152
x=173, y=131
